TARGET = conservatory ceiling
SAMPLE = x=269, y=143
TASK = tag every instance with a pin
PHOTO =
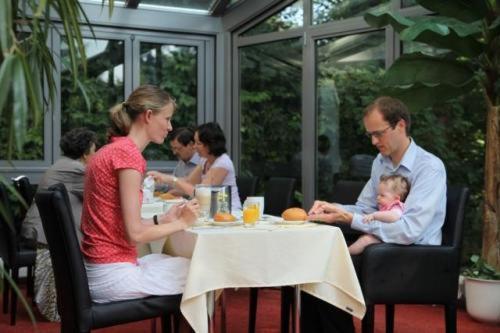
x=207, y=7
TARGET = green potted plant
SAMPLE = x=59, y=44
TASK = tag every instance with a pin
x=482, y=290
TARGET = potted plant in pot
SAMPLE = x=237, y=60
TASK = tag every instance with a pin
x=482, y=290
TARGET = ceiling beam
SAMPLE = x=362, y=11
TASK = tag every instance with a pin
x=218, y=7
x=132, y=3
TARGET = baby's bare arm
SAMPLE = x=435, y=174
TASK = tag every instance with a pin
x=387, y=216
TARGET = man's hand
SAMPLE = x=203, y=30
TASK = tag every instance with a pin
x=328, y=212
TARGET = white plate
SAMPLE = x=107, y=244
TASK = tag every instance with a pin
x=283, y=222
x=227, y=224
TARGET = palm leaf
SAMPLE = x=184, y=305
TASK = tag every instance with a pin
x=5, y=80
x=463, y=10
x=430, y=71
x=5, y=26
x=20, y=103
x=445, y=33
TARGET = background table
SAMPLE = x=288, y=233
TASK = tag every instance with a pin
x=310, y=255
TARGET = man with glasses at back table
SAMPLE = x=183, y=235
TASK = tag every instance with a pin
x=387, y=123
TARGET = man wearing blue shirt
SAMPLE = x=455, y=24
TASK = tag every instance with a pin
x=387, y=123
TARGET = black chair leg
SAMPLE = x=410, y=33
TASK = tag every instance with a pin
x=389, y=318
x=367, y=324
x=450, y=313
x=287, y=297
x=252, y=315
x=13, y=296
x=31, y=281
x=166, y=324
x=6, y=290
x=153, y=325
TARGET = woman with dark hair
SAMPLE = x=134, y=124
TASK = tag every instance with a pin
x=77, y=146
x=216, y=167
x=111, y=219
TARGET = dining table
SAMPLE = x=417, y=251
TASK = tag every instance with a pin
x=311, y=257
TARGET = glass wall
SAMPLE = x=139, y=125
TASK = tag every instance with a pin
x=271, y=85
x=348, y=72
x=316, y=130
x=87, y=103
x=118, y=60
x=174, y=68
x=325, y=11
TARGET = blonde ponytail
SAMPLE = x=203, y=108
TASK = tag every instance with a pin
x=145, y=97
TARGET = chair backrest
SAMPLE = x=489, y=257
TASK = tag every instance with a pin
x=27, y=191
x=360, y=165
x=73, y=295
x=346, y=192
x=452, y=229
x=247, y=186
x=24, y=187
x=278, y=195
x=7, y=231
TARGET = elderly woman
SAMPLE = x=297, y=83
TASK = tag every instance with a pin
x=216, y=167
x=77, y=146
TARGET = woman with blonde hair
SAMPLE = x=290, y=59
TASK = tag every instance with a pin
x=111, y=218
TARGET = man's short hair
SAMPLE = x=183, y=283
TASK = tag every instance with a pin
x=392, y=109
x=185, y=135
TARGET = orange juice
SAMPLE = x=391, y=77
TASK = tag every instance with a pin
x=250, y=214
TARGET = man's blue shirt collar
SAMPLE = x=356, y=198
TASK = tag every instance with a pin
x=407, y=161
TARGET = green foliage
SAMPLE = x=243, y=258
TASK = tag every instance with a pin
x=288, y=18
x=271, y=109
x=176, y=72
x=26, y=63
x=86, y=104
x=334, y=10
x=479, y=269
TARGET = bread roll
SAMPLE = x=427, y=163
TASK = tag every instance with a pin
x=168, y=196
x=294, y=214
x=224, y=217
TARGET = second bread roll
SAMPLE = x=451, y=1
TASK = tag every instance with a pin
x=294, y=214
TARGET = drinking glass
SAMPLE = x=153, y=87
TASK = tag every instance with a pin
x=203, y=194
x=259, y=201
x=250, y=213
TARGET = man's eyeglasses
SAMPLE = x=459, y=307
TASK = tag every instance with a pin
x=378, y=134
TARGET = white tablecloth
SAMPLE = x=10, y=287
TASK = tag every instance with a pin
x=314, y=256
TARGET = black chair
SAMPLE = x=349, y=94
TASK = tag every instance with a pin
x=78, y=313
x=27, y=191
x=416, y=274
x=278, y=197
x=25, y=188
x=346, y=192
x=360, y=166
x=247, y=186
x=15, y=254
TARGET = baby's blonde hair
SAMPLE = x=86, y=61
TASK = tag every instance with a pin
x=397, y=183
